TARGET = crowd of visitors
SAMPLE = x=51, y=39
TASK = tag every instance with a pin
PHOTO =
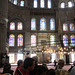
x=30, y=67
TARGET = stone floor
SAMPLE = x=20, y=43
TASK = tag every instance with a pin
x=50, y=66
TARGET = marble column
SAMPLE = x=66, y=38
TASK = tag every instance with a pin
x=3, y=27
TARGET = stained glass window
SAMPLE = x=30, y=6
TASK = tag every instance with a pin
x=15, y=2
x=70, y=4
x=52, y=24
x=42, y=5
x=49, y=3
x=71, y=27
x=22, y=3
x=33, y=40
x=52, y=40
x=43, y=24
x=19, y=26
x=72, y=37
x=33, y=24
x=62, y=5
x=35, y=3
x=11, y=40
x=65, y=40
x=20, y=40
x=65, y=27
x=12, y=26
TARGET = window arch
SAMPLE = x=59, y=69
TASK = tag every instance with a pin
x=33, y=40
x=33, y=24
x=19, y=26
x=35, y=3
x=72, y=37
x=70, y=4
x=22, y=3
x=20, y=40
x=71, y=27
x=65, y=40
x=42, y=3
x=49, y=3
x=63, y=5
x=65, y=27
x=42, y=24
x=52, y=40
x=52, y=24
x=12, y=26
x=11, y=40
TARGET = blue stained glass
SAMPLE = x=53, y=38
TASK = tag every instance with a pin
x=33, y=24
x=52, y=24
x=43, y=24
x=11, y=40
x=20, y=40
x=65, y=40
x=72, y=37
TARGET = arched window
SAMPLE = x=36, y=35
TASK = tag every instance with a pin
x=65, y=27
x=72, y=37
x=15, y=2
x=12, y=26
x=52, y=24
x=33, y=40
x=20, y=40
x=42, y=3
x=52, y=40
x=22, y=3
x=35, y=3
x=49, y=3
x=19, y=26
x=70, y=4
x=62, y=5
x=33, y=24
x=65, y=40
x=42, y=24
x=71, y=27
x=11, y=40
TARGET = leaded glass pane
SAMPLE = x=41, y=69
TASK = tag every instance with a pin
x=33, y=40
x=52, y=40
x=22, y=3
x=71, y=27
x=62, y=5
x=35, y=3
x=65, y=27
x=65, y=40
x=43, y=24
x=72, y=37
x=12, y=26
x=49, y=3
x=42, y=5
x=33, y=24
x=20, y=40
x=52, y=24
x=11, y=40
x=19, y=26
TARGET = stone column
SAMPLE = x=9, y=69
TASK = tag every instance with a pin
x=3, y=27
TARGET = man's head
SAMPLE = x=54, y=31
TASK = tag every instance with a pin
x=29, y=64
x=61, y=62
x=20, y=63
